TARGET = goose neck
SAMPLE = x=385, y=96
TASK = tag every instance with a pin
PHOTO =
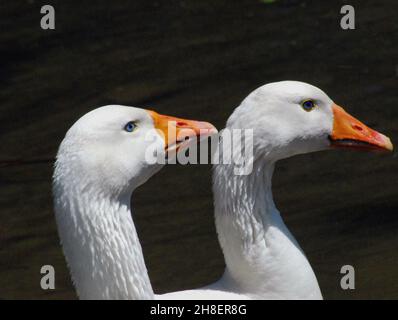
x=262, y=257
x=100, y=243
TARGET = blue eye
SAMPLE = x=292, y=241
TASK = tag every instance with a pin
x=130, y=126
x=308, y=105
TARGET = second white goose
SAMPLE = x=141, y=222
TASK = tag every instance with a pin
x=263, y=260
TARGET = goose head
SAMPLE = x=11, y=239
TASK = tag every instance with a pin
x=291, y=117
x=112, y=148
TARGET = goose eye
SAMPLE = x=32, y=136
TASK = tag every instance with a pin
x=130, y=126
x=308, y=105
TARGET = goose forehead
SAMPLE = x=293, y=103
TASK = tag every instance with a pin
x=111, y=115
x=291, y=90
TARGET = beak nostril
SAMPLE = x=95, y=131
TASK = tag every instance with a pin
x=356, y=127
x=181, y=124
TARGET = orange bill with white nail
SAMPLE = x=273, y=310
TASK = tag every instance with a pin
x=179, y=132
x=349, y=132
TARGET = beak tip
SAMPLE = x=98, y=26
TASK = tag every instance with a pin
x=389, y=146
x=213, y=130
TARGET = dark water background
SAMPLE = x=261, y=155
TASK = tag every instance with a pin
x=199, y=59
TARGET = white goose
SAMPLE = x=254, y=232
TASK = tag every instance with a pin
x=263, y=260
x=100, y=162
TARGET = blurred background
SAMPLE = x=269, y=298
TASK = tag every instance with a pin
x=199, y=59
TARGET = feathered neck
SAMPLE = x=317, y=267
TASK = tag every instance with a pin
x=99, y=240
x=263, y=260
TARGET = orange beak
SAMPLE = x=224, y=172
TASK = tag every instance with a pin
x=180, y=132
x=349, y=132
